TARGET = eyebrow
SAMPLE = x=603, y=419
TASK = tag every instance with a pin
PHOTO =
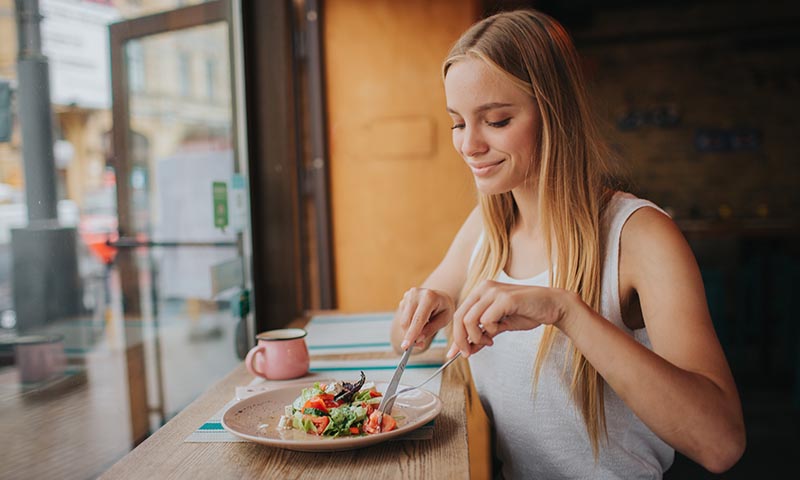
x=485, y=107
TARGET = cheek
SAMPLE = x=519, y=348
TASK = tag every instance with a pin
x=524, y=142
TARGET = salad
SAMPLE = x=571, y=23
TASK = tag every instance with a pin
x=338, y=409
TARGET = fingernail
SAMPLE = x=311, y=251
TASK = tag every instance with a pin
x=404, y=345
x=452, y=351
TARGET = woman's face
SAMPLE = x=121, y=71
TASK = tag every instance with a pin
x=495, y=125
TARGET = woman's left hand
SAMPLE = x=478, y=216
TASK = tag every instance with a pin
x=492, y=308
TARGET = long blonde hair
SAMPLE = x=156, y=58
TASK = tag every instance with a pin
x=536, y=53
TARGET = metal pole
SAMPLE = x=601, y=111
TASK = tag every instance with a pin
x=35, y=116
x=46, y=284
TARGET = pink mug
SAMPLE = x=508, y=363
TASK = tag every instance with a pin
x=279, y=354
x=39, y=357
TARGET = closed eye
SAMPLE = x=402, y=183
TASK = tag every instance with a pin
x=500, y=124
x=457, y=126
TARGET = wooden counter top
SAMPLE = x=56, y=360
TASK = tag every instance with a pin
x=458, y=449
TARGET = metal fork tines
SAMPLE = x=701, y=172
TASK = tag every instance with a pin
x=388, y=402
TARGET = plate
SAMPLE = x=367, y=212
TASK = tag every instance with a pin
x=256, y=419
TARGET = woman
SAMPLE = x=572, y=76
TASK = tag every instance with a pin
x=608, y=360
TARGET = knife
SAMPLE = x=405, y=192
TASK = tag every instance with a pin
x=388, y=402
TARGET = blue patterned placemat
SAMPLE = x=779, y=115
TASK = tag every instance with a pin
x=353, y=333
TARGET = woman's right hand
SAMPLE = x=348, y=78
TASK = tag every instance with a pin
x=421, y=313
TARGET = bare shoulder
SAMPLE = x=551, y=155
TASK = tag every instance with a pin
x=647, y=221
x=656, y=261
x=657, y=264
x=651, y=236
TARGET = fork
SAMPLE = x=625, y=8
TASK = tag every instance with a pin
x=391, y=399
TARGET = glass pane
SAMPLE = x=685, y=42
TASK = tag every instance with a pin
x=138, y=8
x=79, y=364
x=181, y=145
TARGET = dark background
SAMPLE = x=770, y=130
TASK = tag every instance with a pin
x=700, y=99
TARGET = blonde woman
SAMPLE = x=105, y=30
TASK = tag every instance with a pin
x=581, y=309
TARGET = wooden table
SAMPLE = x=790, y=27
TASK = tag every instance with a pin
x=459, y=447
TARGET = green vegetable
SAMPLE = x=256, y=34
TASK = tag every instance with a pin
x=315, y=411
x=305, y=395
x=362, y=396
x=303, y=423
x=344, y=417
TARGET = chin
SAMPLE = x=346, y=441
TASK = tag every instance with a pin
x=488, y=187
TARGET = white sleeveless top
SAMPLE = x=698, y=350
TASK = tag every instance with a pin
x=544, y=437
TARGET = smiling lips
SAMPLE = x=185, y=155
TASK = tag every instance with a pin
x=485, y=168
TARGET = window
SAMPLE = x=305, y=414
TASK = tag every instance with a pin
x=184, y=74
x=136, y=66
x=211, y=69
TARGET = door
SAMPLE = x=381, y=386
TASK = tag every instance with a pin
x=183, y=248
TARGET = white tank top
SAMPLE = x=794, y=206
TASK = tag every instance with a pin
x=544, y=437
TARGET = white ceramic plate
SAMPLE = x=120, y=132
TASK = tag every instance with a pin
x=256, y=419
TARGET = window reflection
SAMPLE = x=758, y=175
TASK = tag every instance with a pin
x=136, y=66
x=72, y=386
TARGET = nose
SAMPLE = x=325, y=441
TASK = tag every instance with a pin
x=472, y=142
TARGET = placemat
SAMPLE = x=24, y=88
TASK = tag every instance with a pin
x=353, y=333
x=376, y=370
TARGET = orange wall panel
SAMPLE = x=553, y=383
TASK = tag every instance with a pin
x=399, y=192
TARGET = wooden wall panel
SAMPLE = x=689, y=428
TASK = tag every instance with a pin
x=399, y=191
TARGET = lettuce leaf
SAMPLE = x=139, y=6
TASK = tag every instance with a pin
x=301, y=422
x=305, y=395
x=362, y=396
x=344, y=417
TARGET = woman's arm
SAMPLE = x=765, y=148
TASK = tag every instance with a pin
x=683, y=390
x=425, y=309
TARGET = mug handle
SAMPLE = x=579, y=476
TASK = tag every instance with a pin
x=249, y=361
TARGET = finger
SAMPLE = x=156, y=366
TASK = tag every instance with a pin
x=428, y=331
x=461, y=343
x=452, y=351
x=399, y=314
x=436, y=322
x=493, y=319
x=422, y=314
x=473, y=348
x=460, y=337
x=474, y=296
x=472, y=323
x=440, y=316
x=406, y=315
x=468, y=302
